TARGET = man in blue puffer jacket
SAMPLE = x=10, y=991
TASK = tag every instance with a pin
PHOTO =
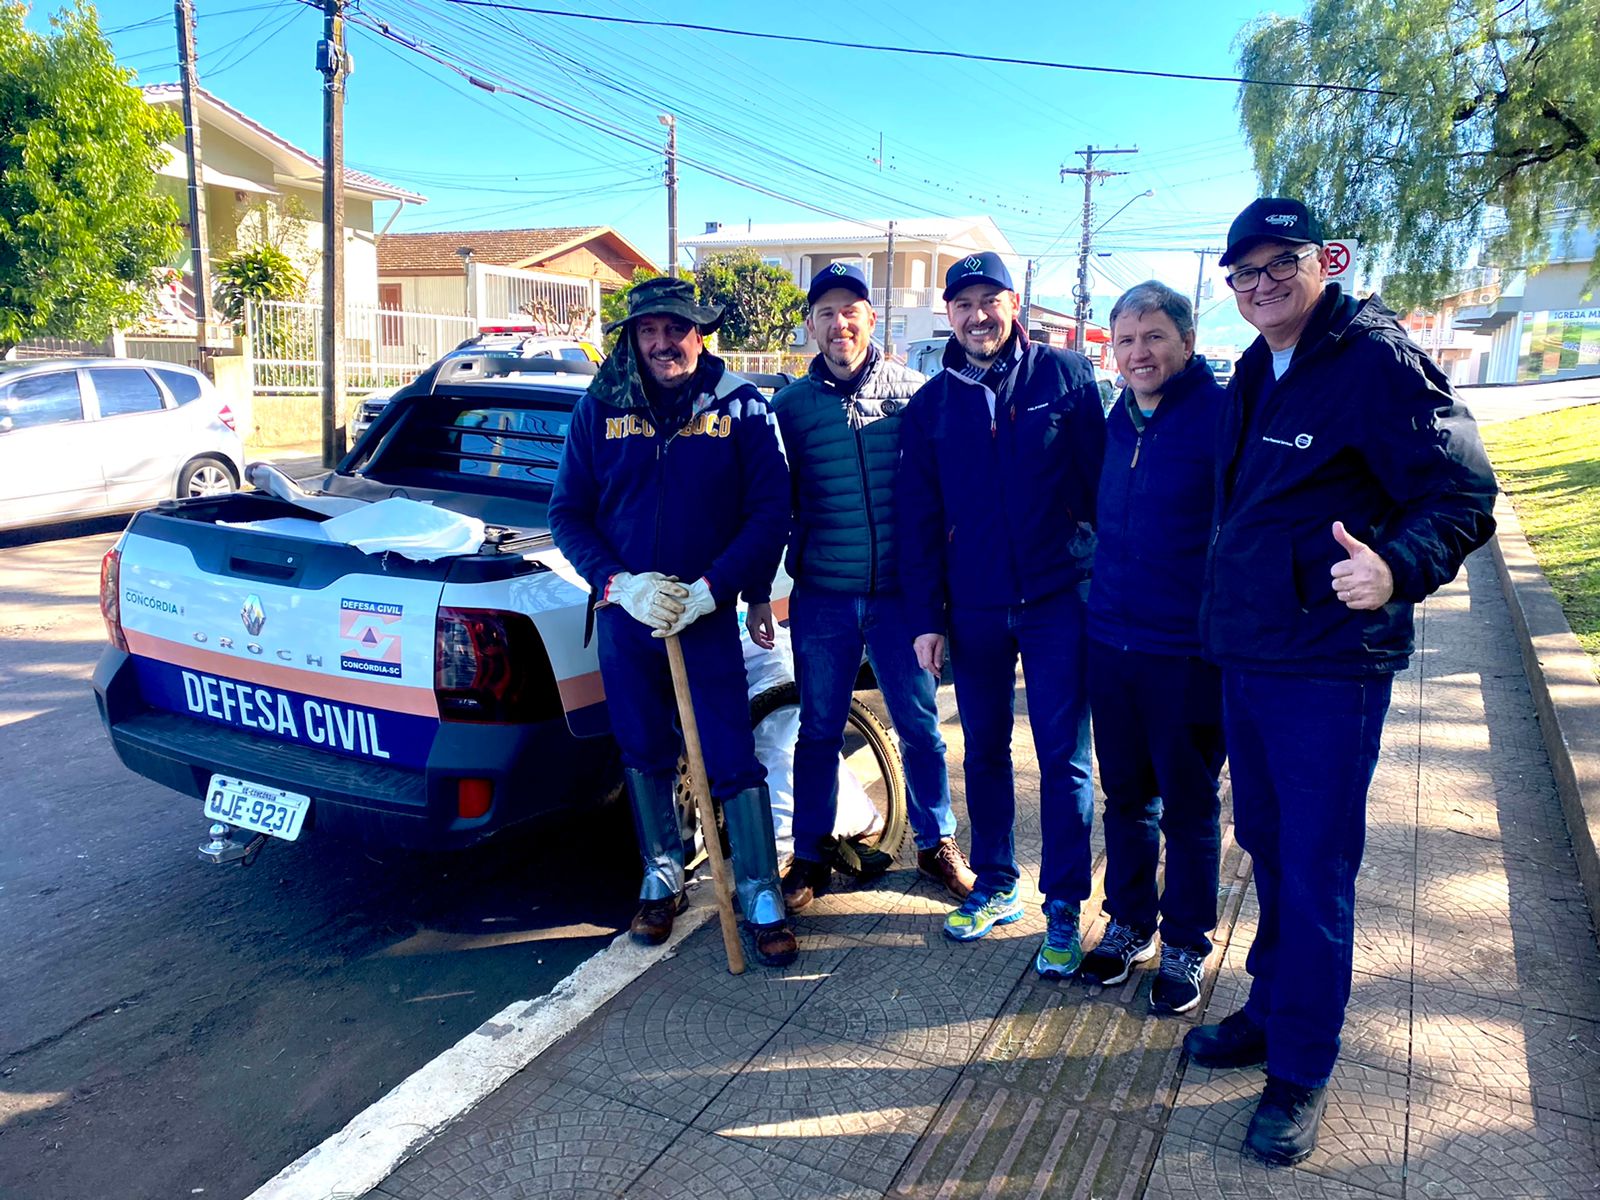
x=841, y=432
x=1157, y=704
x=1001, y=455
x=672, y=473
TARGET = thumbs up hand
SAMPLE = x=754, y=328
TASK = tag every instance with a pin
x=1363, y=581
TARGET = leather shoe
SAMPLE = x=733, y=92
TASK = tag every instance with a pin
x=775, y=944
x=652, y=924
x=805, y=881
x=1284, y=1129
x=1235, y=1041
x=948, y=867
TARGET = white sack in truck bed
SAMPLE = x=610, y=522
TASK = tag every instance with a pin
x=410, y=528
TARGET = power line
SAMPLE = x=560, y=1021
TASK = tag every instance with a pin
x=919, y=51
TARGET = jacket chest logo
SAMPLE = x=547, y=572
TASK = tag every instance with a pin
x=1302, y=441
x=628, y=426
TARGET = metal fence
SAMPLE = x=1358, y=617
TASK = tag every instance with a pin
x=35, y=349
x=382, y=347
x=560, y=305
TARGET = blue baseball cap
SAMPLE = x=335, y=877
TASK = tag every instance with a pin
x=987, y=267
x=839, y=275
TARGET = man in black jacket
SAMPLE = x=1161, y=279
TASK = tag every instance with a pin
x=841, y=433
x=1350, y=485
x=1000, y=460
x=1157, y=704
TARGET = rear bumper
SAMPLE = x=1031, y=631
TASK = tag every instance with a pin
x=534, y=769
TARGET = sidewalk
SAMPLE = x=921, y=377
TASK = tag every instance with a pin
x=891, y=1062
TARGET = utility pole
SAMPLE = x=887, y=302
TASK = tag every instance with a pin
x=888, y=297
x=1199, y=281
x=1091, y=176
x=1027, y=297
x=334, y=67
x=671, y=122
x=200, y=254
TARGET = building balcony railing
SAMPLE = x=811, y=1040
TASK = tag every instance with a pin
x=906, y=298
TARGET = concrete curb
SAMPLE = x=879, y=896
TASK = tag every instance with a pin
x=1566, y=694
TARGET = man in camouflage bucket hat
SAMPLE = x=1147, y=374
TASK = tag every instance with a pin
x=672, y=472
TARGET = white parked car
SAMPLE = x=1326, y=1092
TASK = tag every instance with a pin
x=81, y=437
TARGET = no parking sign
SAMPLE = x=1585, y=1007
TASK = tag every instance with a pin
x=1342, y=257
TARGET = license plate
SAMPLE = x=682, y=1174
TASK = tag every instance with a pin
x=256, y=806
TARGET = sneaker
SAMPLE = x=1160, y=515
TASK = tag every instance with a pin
x=1062, y=952
x=1177, y=985
x=948, y=867
x=652, y=924
x=1235, y=1041
x=1120, y=947
x=981, y=912
x=804, y=882
x=860, y=861
x=1284, y=1128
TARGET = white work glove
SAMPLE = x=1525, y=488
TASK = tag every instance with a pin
x=696, y=603
x=649, y=596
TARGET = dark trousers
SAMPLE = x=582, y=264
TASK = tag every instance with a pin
x=830, y=629
x=1301, y=754
x=644, y=713
x=985, y=643
x=1158, y=736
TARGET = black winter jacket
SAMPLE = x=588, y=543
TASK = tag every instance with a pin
x=1154, y=515
x=1361, y=428
x=997, y=490
x=843, y=452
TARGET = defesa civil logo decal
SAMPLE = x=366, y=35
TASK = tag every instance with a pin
x=369, y=631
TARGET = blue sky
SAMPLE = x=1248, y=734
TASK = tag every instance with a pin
x=803, y=122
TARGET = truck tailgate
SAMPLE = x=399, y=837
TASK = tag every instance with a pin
x=306, y=642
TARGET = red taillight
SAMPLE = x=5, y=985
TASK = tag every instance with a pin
x=490, y=665
x=473, y=797
x=226, y=417
x=111, y=597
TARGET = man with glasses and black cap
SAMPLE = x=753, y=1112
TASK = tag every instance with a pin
x=841, y=432
x=672, y=500
x=1351, y=484
x=1001, y=455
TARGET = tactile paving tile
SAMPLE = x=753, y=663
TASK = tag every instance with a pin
x=1467, y=1144
x=663, y=1049
x=699, y=1166
x=1363, y=1137
x=1009, y=1145
x=848, y=1110
x=537, y=1139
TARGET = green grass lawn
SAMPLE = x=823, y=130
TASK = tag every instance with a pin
x=1550, y=467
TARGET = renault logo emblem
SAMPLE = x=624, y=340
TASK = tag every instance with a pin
x=253, y=615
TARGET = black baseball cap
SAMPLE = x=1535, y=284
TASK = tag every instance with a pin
x=1271, y=218
x=838, y=275
x=987, y=267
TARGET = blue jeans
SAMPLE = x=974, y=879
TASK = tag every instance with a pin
x=1302, y=750
x=1158, y=736
x=829, y=631
x=985, y=643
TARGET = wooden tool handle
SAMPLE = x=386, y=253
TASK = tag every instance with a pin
x=700, y=787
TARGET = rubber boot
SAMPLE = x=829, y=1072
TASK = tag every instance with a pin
x=655, y=821
x=755, y=874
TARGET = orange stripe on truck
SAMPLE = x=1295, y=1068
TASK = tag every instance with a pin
x=390, y=696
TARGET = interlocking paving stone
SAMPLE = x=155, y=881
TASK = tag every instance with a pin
x=699, y=1165
x=537, y=1138
x=1187, y=1169
x=848, y=1110
x=1468, y=1144
x=701, y=965
x=1363, y=1139
x=659, y=1047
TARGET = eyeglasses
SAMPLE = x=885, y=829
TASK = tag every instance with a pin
x=1247, y=279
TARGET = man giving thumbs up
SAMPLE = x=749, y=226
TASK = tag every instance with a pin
x=1350, y=485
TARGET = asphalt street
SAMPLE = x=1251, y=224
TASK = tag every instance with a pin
x=171, y=1028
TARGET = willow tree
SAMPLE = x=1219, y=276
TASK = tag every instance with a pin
x=1452, y=124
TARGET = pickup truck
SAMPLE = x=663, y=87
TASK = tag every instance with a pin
x=294, y=684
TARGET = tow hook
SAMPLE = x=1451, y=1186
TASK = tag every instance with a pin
x=223, y=849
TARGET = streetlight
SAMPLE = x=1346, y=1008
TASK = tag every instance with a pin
x=1123, y=209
